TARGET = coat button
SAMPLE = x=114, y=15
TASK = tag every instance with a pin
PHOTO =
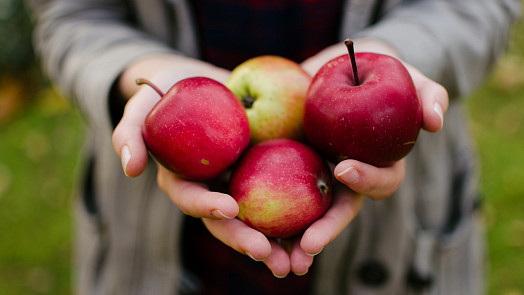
x=372, y=273
x=419, y=282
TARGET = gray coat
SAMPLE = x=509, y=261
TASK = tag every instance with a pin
x=429, y=231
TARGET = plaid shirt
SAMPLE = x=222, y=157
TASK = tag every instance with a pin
x=230, y=32
x=213, y=268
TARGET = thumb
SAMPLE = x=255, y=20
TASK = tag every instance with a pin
x=434, y=98
x=127, y=136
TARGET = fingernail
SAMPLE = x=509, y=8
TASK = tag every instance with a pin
x=279, y=277
x=438, y=109
x=251, y=256
x=301, y=274
x=125, y=155
x=218, y=214
x=349, y=176
x=315, y=254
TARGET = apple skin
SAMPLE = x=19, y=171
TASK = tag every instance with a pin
x=281, y=187
x=376, y=122
x=278, y=87
x=198, y=129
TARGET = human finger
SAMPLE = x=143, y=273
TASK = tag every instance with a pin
x=300, y=260
x=240, y=237
x=434, y=98
x=346, y=205
x=127, y=136
x=279, y=261
x=194, y=198
x=375, y=182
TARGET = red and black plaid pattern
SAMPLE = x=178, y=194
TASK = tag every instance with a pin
x=231, y=31
x=215, y=269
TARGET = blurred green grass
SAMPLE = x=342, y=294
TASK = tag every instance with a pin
x=39, y=150
x=41, y=143
x=497, y=111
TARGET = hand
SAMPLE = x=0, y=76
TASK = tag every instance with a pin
x=296, y=255
x=360, y=178
x=290, y=255
x=217, y=210
x=433, y=96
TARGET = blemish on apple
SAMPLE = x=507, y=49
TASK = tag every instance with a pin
x=323, y=187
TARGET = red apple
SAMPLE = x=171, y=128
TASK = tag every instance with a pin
x=371, y=114
x=281, y=187
x=273, y=90
x=198, y=128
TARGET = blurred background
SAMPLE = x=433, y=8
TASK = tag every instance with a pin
x=41, y=140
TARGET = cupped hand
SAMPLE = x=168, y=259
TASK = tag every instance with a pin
x=434, y=99
x=217, y=210
x=358, y=179
x=193, y=198
x=294, y=254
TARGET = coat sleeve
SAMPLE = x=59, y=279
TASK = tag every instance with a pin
x=454, y=42
x=84, y=45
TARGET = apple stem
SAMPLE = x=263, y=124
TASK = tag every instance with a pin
x=142, y=81
x=351, y=52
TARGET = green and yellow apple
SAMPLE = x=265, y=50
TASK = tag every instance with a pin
x=273, y=90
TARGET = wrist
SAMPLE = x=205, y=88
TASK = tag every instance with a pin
x=376, y=46
x=144, y=68
x=165, y=70
x=312, y=64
